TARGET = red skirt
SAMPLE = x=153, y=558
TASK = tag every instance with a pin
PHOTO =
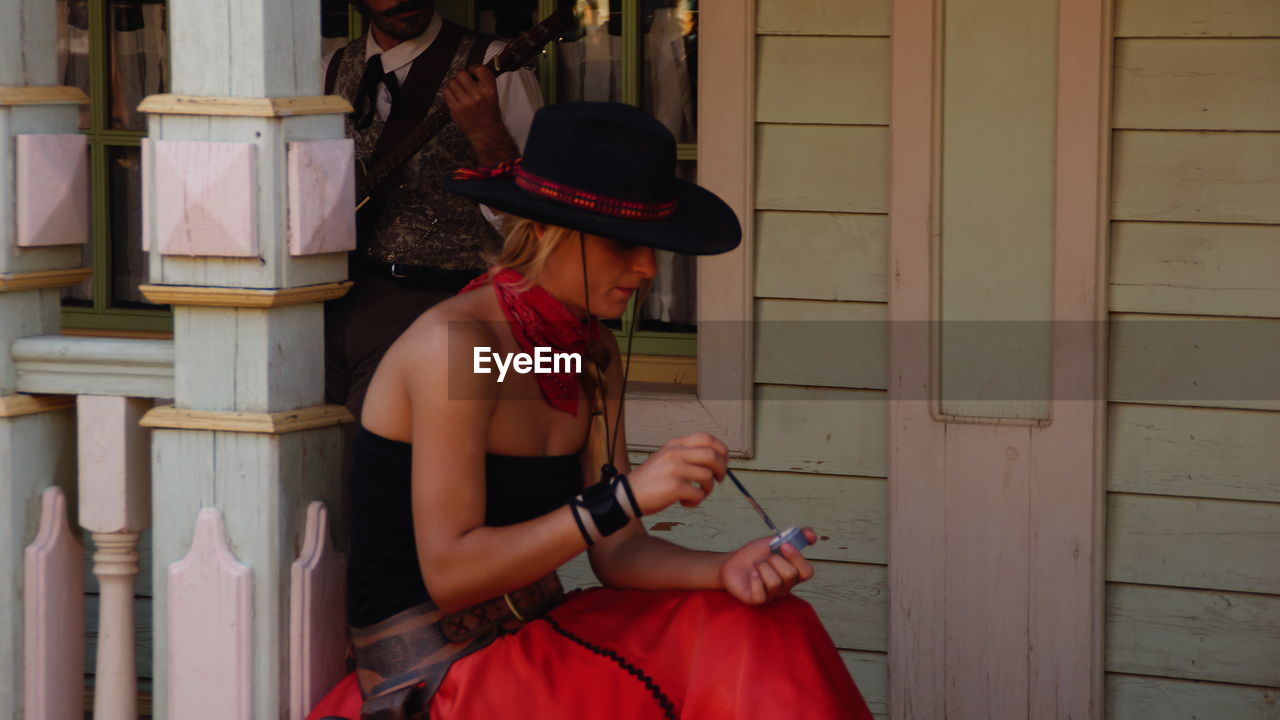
x=652, y=655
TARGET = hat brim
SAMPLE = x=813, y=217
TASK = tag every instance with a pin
x=702, y=223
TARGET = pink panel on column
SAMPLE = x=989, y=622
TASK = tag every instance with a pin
x=148, y=224
x=53, y=613
x=210, y=628
x=317, y=616
x=53, y=190
x=206, y=198
x=322, y=192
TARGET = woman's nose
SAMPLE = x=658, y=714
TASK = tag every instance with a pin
x=645, y=263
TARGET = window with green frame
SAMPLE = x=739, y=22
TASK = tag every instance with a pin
x=642, y=52
x=116, y=51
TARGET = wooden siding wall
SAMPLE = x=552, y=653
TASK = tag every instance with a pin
x=1193, y=508
x=821, y=239
x=821, y=236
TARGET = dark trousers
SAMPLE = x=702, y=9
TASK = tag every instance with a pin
x=361, y=325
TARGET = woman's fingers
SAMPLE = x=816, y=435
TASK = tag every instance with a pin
x=758, y=593
x=786, y=570
x=689, y=494
x=796, y=559
x=699, y=477
x=685, y=470
x=706, y=457
x=773, y=583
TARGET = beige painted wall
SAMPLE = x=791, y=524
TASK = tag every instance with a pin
x=821, y=234
x=1193, y=471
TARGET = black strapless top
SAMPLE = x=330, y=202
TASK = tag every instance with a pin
x=382, y=573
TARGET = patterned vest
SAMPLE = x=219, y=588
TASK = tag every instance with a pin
x=420, y=223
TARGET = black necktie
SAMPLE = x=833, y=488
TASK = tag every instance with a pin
x=366, y=100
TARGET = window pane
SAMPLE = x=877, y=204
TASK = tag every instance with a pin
x=139, y=48
x=505, y=18
x=590, y=67
x=124, y=204
x=672, y=304
x=73, y=49
x=334, y=25
x=670, y=48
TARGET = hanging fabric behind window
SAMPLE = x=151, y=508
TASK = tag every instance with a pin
x=139, y=58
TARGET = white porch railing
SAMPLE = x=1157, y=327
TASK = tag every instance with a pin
x=62, y=365
x=247, y=218
x=113, y=485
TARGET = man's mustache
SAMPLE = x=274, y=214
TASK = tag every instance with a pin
x=408, y=7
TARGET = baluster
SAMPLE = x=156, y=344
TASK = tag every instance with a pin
x=115, y=506
x=115, y=563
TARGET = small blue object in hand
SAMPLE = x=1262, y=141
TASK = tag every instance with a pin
x=791, y=536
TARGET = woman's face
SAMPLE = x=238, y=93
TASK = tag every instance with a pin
x=615, y=271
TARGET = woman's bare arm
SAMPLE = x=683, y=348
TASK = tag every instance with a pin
x=631, y=558
x=463, y=562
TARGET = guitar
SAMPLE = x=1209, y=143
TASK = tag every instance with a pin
x=516, y=54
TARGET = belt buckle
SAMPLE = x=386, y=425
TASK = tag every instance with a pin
x=396, y=274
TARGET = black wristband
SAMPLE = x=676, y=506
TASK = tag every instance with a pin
x=575, y=507
x=602, y=502
x=626, y=489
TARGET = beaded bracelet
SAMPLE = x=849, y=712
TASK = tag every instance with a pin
x=604, y=508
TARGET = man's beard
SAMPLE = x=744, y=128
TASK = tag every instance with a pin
x=404, y=27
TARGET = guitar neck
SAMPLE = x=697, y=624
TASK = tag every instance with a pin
x=412, y=142
x=513, y=56
x=416, y=138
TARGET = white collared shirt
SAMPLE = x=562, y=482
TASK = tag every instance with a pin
x=518, y=93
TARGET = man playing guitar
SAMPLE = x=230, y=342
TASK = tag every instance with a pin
x=417, y=244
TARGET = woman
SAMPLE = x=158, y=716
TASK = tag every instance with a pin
x=469, y=491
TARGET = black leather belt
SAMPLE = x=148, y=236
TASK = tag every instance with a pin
x=422, y=277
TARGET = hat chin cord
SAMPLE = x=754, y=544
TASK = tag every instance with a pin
x=608, y=470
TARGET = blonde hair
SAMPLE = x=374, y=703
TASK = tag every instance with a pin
x=526, y=251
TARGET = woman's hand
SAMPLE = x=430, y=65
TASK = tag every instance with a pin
x=755, y=574
x=684, y=469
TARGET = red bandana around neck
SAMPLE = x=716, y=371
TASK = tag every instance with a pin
x=538, y=319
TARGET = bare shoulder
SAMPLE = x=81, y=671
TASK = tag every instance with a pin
x=461, y=322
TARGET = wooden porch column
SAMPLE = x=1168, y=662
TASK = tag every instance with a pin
x=248, y=196
x=999, y=166
x=43, y=222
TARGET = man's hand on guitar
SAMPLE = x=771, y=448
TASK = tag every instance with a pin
x=472, y=97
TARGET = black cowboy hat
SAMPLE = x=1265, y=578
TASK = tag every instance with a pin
x=607, y=169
